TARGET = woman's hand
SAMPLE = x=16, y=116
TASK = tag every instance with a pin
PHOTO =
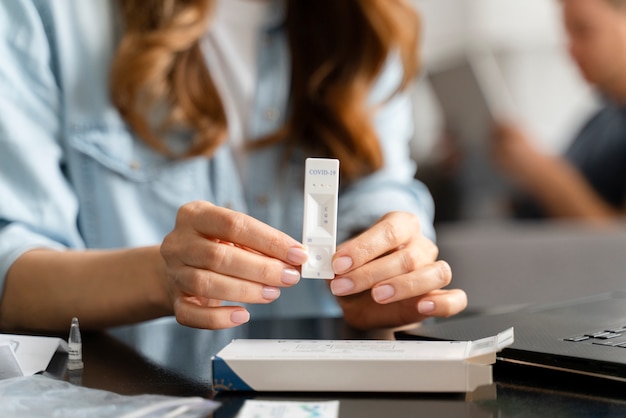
x=215, y=254
x=389, y=276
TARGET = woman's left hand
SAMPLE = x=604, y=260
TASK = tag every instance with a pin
x=389, y=276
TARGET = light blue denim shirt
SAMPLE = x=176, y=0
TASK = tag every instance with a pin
x=72, y=174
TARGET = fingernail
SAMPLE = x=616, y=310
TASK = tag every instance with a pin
x=382, y=293
x=240, y=317
x=342, y=264
x=290, y=276
x=297, y=256
x=341, y=286
x=426, y=307
x=270, y=293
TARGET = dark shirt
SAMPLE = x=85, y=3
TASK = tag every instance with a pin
x=599, y=153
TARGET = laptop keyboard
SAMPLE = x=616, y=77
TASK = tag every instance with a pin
x=610, y=337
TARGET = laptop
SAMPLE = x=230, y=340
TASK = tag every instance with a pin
x=585, y=336
x=472, y=94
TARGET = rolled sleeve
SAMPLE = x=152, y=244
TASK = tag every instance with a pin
x=15, y=240
x=368, y=202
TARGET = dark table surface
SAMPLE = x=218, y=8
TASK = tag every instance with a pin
x=162, y=357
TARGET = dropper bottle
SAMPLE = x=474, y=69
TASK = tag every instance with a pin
x=75, y=358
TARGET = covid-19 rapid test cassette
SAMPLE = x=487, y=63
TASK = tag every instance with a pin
x=319, y=227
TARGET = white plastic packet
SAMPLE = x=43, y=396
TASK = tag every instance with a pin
x=39, y=396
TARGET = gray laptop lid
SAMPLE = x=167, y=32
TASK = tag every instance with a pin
x=472, y=95
x=586, y=336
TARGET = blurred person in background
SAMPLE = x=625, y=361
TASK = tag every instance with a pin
x=589, y=180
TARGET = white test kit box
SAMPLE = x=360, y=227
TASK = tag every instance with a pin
x=357, y=365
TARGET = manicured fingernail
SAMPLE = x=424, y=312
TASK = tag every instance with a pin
x=290, y=276
x=297, y=256
x=384, y=292
x=240, y=317
x=341, y=286
x=342, y=264
x=426, y=307
x=270, y=293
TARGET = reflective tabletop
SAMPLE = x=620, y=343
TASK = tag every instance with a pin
x=163, y=357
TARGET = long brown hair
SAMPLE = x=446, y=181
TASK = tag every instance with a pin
x=338, y=48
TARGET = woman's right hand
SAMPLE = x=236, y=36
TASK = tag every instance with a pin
x=214, y=254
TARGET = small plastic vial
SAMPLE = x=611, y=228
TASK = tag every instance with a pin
x=75, y=358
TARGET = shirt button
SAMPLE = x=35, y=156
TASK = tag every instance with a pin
x=134, y=165
x=271, y=113
x=261, y=200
